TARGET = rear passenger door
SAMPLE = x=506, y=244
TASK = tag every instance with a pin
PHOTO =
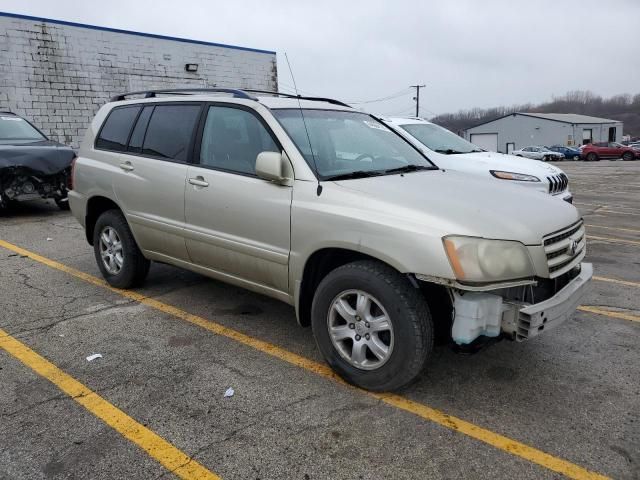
x=237, y=224
x=152, y=174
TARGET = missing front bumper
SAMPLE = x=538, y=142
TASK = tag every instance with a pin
x=530, y=321
x=488, y=314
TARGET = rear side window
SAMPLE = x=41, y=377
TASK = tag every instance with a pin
x=137, y=137
x=170, y=130
x=115, y=131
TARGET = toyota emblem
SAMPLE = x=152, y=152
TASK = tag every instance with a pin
x=573, y=247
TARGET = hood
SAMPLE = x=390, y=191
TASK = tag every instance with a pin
x=453, y=203
x=507, y=163
x=41, y=158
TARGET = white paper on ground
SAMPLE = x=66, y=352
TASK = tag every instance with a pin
x=94, y=356
x=229, y=392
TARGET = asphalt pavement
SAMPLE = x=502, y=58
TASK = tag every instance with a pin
x=564, y=404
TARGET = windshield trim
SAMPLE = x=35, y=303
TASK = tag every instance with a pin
x=313, y=169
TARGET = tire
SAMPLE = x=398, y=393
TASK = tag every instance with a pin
x=576, y=158
x=628, y=156
x=409, y=341
x=592, y=157
x=62, y=203
x=133, y=266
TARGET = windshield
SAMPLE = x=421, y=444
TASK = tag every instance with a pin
x=16, y=128
x=349, y=144
x=439, y=139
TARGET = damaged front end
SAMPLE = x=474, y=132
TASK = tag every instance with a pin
x=20, y=184
x=34, y=171
x=519, y=313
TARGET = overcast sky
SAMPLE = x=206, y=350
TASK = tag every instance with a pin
x=469, y=53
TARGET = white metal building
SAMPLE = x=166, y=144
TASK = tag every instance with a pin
x=57, y=74
x=518, y=130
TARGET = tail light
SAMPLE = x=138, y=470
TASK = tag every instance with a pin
x=72, y=173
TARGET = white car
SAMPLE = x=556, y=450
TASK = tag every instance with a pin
x=536, y=152
x=449, y=151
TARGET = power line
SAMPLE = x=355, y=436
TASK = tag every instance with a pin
x=383, y=99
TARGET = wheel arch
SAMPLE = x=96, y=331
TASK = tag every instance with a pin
x=96, y=206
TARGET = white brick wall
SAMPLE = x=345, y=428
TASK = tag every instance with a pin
x=58, y=75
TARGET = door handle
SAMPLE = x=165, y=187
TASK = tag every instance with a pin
x=126, y=166
x=199, y=181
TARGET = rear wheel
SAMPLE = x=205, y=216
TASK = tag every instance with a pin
x=372, y=326
x=593, y=157
x=119, y=258
x=576, y=158
x=628, y=156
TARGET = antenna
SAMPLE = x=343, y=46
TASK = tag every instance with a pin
x=304, y=122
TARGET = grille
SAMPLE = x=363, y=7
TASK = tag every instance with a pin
x=565, y=249
x=558, y=183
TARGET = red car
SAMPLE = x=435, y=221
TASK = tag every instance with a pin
x=596, y=151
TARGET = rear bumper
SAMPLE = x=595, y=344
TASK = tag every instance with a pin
x=530, y=321
x=78, y=205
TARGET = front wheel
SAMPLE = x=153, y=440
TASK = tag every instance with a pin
x=628, y=156
x=119, y=258
x=576, y=158
x=372, y=326
x=62, y=203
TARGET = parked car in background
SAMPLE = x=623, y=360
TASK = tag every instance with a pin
x=31, y=165
x=326, y=208
x=568, y=152
x=449, y=151
x=595, y=151
x=536, y=152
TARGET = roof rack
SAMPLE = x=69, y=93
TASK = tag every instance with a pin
x=183, y=91
x=288, y=95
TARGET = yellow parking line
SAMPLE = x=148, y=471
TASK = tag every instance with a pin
x=496, y=440
x=609, y=313
x=613, y=228
x=154, y=445
x=614, y=240
x=617, y=281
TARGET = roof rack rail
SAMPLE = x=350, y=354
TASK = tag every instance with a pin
x=183, y=91
x=288, y=95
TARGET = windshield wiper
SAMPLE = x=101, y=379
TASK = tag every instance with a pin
x=356, y=174
x=410, y=168
x=449, y=151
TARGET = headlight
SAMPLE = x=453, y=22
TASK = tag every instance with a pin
x=479, y=260
x=521, y=177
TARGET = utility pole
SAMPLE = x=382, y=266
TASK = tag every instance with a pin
x=417, y=97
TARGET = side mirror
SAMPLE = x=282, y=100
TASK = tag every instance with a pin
x=273, y=166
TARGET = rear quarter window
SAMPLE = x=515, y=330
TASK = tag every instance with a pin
x=114, y=133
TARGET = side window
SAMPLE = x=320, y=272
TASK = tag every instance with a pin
x=135, y=142
x=115, y=130
x=232, y=139
x=169, y=131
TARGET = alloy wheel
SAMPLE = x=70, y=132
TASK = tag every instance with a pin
x=360, y=329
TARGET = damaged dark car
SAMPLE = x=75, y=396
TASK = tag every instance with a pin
x=31, y=165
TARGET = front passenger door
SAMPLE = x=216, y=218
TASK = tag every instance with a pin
x=236, y=223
